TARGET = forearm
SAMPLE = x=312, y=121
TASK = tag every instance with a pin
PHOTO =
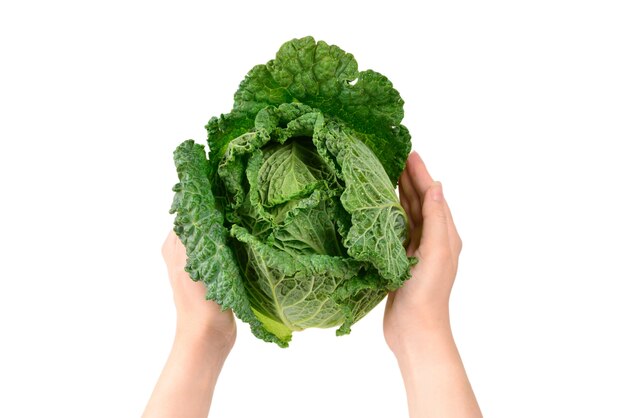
x=185, y=387
x=434, y=377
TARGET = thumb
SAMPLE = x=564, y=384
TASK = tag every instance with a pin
x=435, y=224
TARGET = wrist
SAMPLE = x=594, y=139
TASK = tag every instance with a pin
x=423, y=331
x=205, y=339
x=417, y=347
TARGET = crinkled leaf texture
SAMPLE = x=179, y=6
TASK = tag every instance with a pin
x=200, y=226
x=293, y=222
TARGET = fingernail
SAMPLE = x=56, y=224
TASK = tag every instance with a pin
x=437, y=191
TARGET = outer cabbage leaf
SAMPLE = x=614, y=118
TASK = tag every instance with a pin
x=294, y=292
x=378, y=224
x=358, y=296
x=200, y=226
x=323, y=77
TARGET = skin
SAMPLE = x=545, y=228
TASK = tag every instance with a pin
x=416, y=324
x=417, y=317
x=204, y=337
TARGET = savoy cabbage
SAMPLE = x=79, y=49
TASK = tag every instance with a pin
x=293, y=220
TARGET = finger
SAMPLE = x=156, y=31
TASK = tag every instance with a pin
x=390, y=298
x=434, y=241
x=453, y=234
x=421, y=178
x=410, y=162
x=403, y=194
x=407, y=198
x=419, y=175
x=413, y=244
x=168, y=244
x=413, y=209
x=418, y=182
x=416, y=203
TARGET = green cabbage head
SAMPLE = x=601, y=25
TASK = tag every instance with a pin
x=293, y=221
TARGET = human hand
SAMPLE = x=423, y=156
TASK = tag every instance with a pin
x=196, y=317
x=417, y=319
x=421, y=304
x=204, y=336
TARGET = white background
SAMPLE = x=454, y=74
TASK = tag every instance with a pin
x=518, y=107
